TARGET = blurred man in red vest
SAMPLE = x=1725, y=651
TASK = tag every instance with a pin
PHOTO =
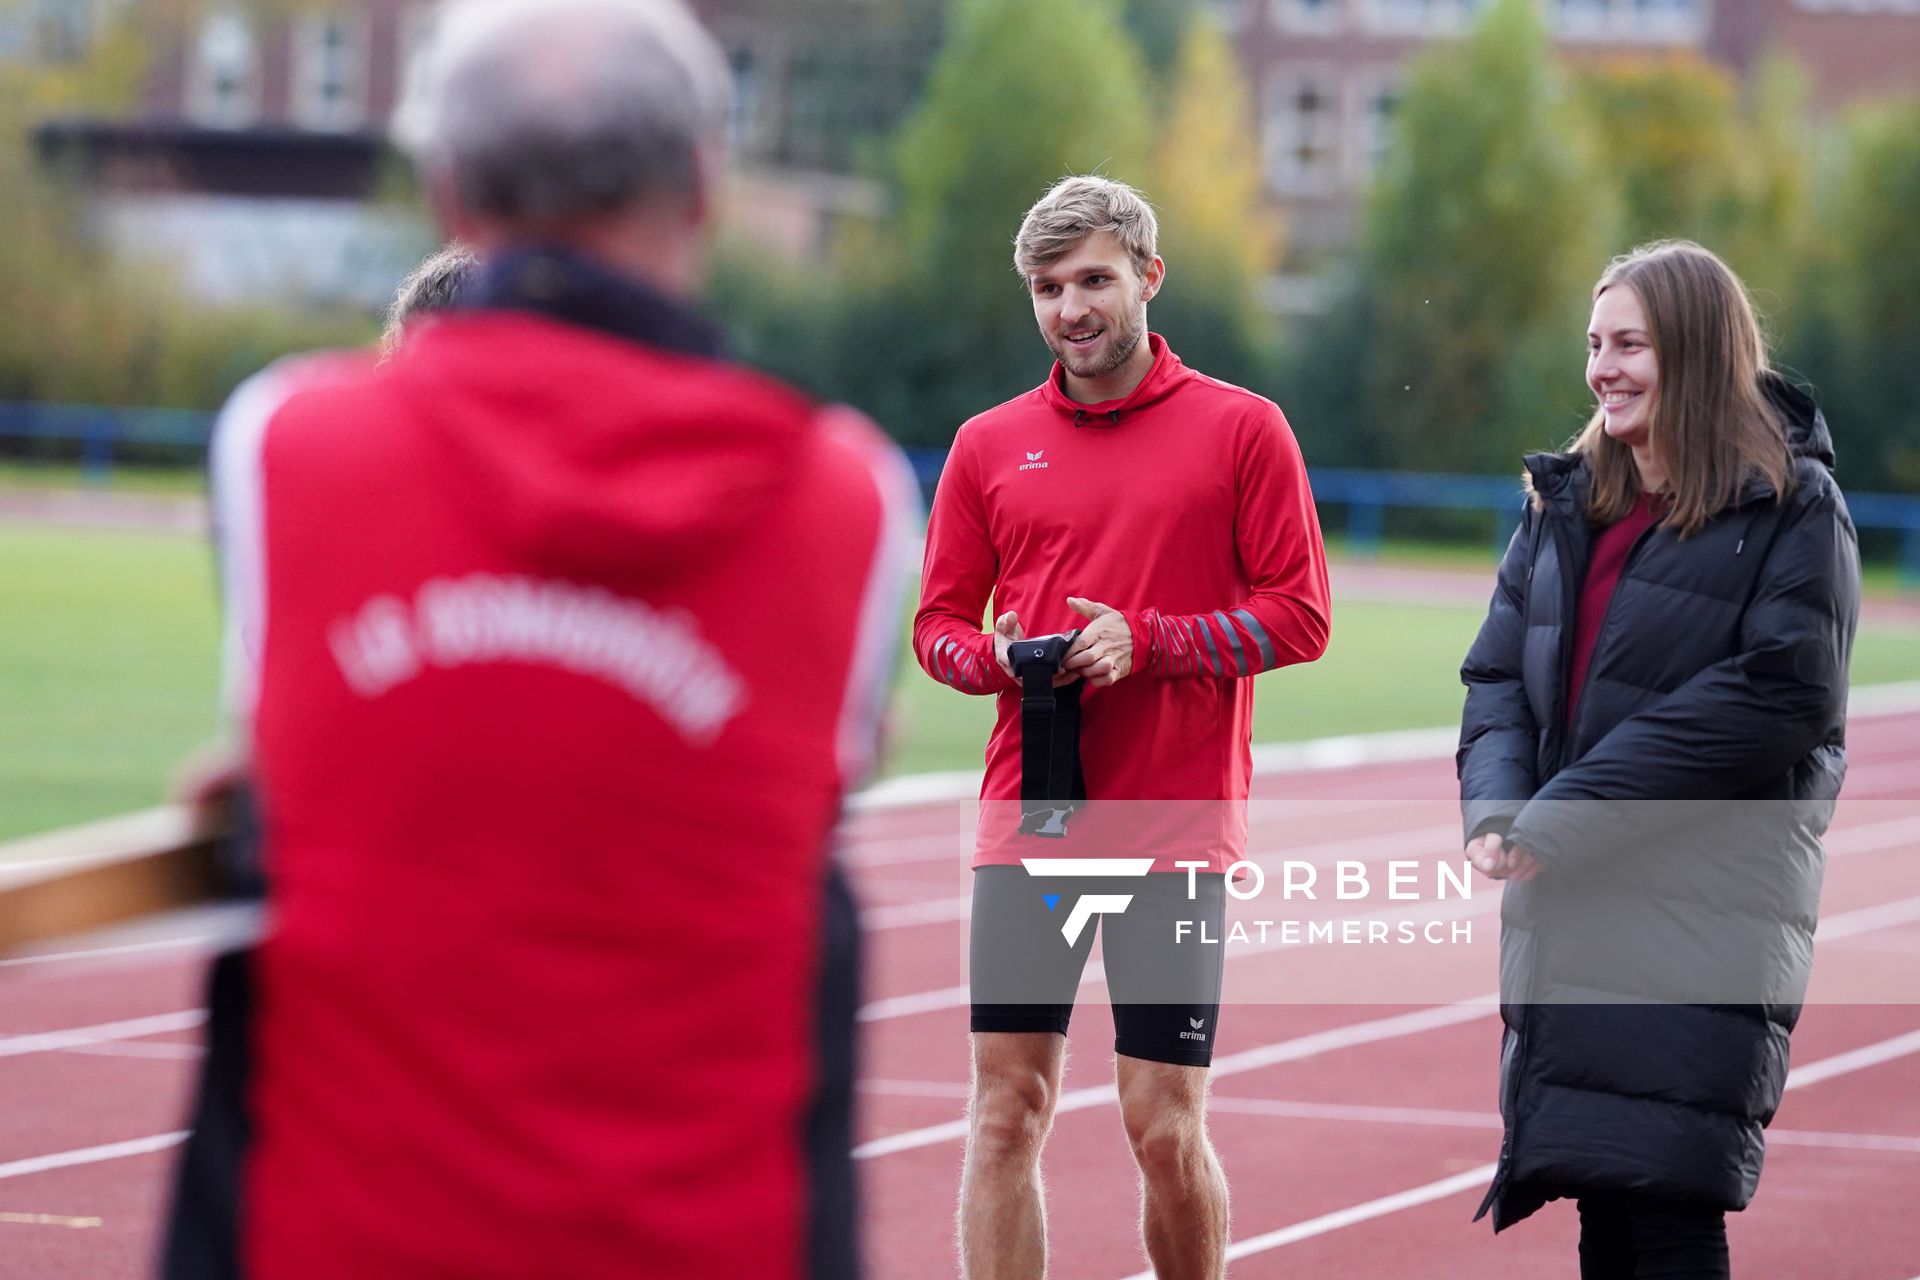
x=558, y=976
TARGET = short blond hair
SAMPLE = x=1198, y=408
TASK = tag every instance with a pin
x=1074, y=209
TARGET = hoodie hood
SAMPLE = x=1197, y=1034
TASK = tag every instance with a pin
x=1166, y=374
x=585, y=447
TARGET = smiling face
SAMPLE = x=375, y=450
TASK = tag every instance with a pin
x=1091, y=305
x=1621, y=366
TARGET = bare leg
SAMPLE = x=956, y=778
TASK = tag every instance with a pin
x=1183, y=1192
x=1003, y=1216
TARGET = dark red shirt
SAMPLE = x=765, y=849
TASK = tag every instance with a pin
x=1610, y=551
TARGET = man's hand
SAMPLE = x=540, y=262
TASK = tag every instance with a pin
x=1006, y=630
x=1104, y=651
x=1498, y=860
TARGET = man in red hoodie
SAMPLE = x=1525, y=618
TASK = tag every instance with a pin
x=557, y=979
x=1167, y=516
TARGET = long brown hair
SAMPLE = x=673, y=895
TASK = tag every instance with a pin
x=1710, y=424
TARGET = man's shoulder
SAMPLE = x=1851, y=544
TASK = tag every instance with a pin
x=1231, y=402
x=1008, y=415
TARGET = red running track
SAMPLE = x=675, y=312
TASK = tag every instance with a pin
x=1355, y=1135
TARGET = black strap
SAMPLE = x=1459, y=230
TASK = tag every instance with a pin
x=1052, y=784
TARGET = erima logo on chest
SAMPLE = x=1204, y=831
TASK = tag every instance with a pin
x=1033, y=462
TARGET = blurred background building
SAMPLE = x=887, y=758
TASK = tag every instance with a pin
x=254, y=148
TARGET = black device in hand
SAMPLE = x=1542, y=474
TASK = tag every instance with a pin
x=1051, y=784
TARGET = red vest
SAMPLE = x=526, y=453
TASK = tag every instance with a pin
x=560, y=651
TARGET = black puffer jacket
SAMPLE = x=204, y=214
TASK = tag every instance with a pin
x=1719, y=675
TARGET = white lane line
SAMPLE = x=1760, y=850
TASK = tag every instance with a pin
x=79, y=1037
x=1422, y=1116
x=1474, y=1179
x=167, y=1049
x=1432, y=1117
x=1293, y=1050
x=942, y=1089
x=1866, y=838
x=1471, y=1180
x=93, y=952
x=91, y=1155
x=1346, y=751
x=1871, y=1055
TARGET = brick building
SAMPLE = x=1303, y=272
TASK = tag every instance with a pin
x=273, y=129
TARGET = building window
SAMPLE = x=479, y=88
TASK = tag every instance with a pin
x=1862, y=6
x=224, y=88
x=1308, y=17
x=330, y=72
x=744, y=128
x=1375, y=103
x=63, y=29
x=1231, y=15
x=1653, y=20
x=1420, y=17
x=1302, y=133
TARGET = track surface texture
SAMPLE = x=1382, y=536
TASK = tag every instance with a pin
x=1356, y=1134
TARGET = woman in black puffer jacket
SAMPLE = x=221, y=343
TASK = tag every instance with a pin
x=1653, y=739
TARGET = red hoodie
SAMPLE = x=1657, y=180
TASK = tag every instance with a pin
x=561, y=650
x=1186, y=506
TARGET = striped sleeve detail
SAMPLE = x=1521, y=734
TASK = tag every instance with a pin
x=1224, y=644
x=870, y=675
x=955, y=666
x=239, y=524
x=1260, y=637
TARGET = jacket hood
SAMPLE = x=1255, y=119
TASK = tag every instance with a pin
x=1166, y=374
x=1806, y=426
x=1562, y=475
x=590, y=453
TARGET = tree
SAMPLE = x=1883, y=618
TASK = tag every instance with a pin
x=1020, y=95
x=1218, y=241
x=1485, y=232
x=1694, y=158
x=1865, y=300
x=1669, y=140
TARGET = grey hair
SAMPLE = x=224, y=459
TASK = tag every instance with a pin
x=542, y=110
x=435, y=285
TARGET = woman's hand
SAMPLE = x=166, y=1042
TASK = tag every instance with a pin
x=1498, y=860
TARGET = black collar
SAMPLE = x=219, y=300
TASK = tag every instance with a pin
x=567, y=286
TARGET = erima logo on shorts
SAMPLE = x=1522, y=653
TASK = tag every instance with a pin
x=1094, y=904
x=1033, y=462
x=1197, y=1033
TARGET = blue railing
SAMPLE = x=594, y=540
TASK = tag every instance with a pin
x=100, y=433
x=1366, y=496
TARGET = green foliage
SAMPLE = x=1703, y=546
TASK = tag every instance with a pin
x=1161, y=29
x=1669, y=140
x=1484, y=233
x=1859, y=339
x=76, y=324
x=1218, y=242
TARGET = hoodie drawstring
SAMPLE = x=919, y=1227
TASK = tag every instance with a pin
x=1079, y=417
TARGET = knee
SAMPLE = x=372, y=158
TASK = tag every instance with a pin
x=1010, y=1116
x=1166, y=1141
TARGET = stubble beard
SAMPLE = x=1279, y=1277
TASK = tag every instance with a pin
x=1124, y=341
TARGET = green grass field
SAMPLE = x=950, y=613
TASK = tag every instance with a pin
x=109, y=671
